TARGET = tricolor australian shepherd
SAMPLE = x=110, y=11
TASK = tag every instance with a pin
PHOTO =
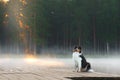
x=80, y=62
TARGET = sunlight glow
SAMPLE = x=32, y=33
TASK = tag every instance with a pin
x=5, y=1
x=6, y=15
x=30, y=58
x=51, y=63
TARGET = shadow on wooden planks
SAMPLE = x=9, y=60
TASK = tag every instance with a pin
x=94, y=78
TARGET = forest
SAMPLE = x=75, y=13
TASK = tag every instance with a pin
x=93, y=24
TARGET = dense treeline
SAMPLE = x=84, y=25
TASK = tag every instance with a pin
x=94, y=24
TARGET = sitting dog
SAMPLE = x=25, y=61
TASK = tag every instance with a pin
x=80, y=62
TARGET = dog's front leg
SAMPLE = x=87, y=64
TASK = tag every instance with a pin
x=79, y=68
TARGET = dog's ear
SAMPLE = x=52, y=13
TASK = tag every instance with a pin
x=75, y=47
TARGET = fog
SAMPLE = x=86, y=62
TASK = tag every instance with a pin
x=102, y=63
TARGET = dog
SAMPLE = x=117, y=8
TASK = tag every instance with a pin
x=80, y=63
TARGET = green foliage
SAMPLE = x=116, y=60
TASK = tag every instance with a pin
x=91, y=23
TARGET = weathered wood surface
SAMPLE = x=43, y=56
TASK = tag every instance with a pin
x=37, y=71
